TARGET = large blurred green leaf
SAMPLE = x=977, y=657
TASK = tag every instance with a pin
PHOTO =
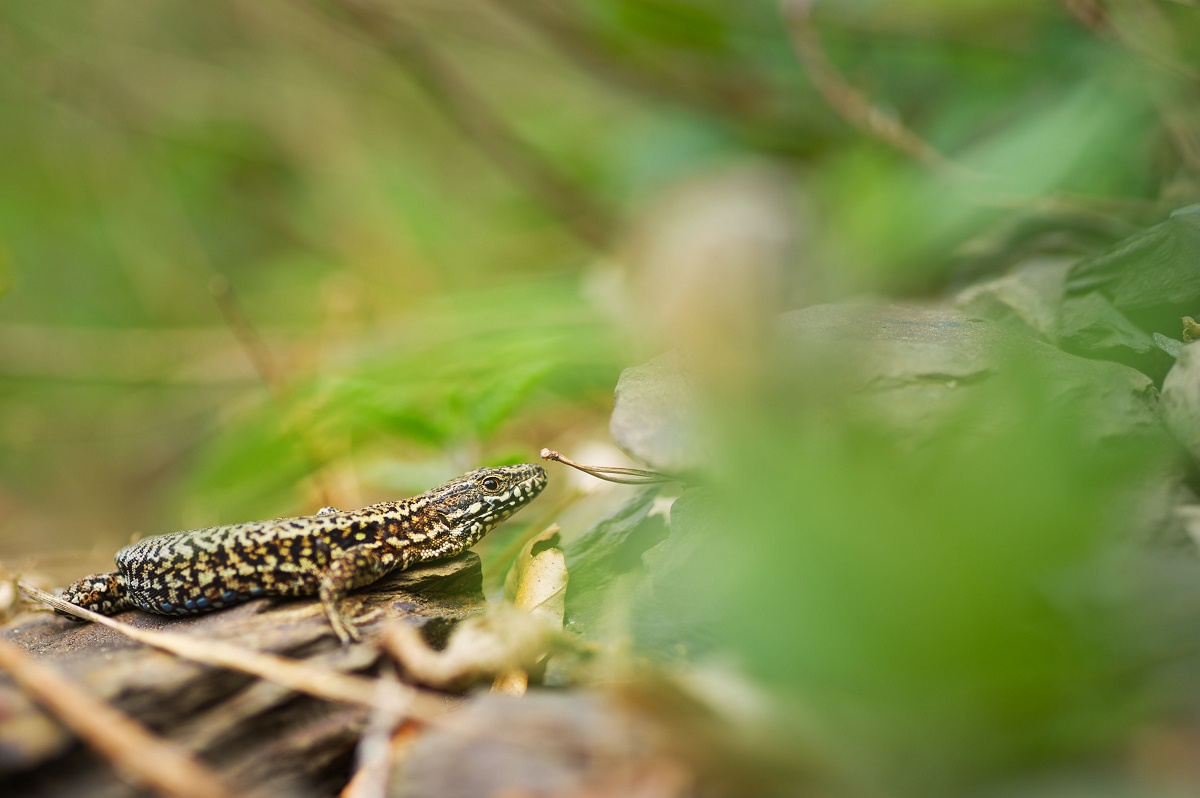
x=912, y=597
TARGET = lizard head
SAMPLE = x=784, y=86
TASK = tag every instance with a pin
x=479, y=500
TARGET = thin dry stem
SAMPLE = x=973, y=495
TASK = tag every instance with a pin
x=474, y=115
x=1091, y=14
x=247, y=336
x=622, y=476
x=276, y=380
x=370, y=779
x=850, y=103
x=562, y=27
x=1140, y=26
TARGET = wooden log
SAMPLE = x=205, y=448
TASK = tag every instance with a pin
x=259, y=736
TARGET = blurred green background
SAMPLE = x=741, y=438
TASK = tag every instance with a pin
x=259, y=256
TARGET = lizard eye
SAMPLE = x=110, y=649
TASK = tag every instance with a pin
x=491, y=484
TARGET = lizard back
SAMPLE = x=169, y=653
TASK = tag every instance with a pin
x=197, y=570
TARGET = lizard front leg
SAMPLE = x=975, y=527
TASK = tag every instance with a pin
x=349, y=569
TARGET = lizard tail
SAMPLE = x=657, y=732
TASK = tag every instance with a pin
x=102, y=593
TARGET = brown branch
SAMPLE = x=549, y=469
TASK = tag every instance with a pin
x=149, y=760
x=850, y=103
x=475, y=117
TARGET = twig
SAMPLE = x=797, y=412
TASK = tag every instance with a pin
x=149, y=760
x=251, y=342
x=1146, y=30
x=622, y=476
x=116, y=356
x=1091, y=14
x=370, y=779
x=298, y=676
x=1183, y=135
x=276, y=380
x=468, y=109
x=554, y=23
x=850, y=103
x=365, y=783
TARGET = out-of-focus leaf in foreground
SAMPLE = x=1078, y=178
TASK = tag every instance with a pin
x=919, y=597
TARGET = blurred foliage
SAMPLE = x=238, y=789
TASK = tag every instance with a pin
x=957, y=592
x=435, y=219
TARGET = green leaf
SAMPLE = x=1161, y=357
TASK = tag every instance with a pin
x=1169, y=345
x=605, y=561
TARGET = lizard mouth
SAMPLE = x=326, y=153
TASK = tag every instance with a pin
x=536, y=483
x=520, y=494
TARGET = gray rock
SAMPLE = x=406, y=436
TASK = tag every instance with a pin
x=654, y=415
x=1027, y=297
x=911, y=366
x=904, y=365
x=646, y=737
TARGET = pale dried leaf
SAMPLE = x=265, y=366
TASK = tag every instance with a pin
x=547, y=538
x=502, y=640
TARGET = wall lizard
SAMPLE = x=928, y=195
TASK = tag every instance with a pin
x=326, y=555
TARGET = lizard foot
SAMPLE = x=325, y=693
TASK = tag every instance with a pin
x=342, y=626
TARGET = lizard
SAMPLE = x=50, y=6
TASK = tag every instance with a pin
x=326, y=555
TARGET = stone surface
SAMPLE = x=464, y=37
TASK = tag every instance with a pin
x=912, y=365
x=646, y=737
x=905, y=365
x=654, y=415
x=1028, y=296
x=552, y=744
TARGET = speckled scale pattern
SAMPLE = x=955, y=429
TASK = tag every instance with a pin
x=324, y=555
